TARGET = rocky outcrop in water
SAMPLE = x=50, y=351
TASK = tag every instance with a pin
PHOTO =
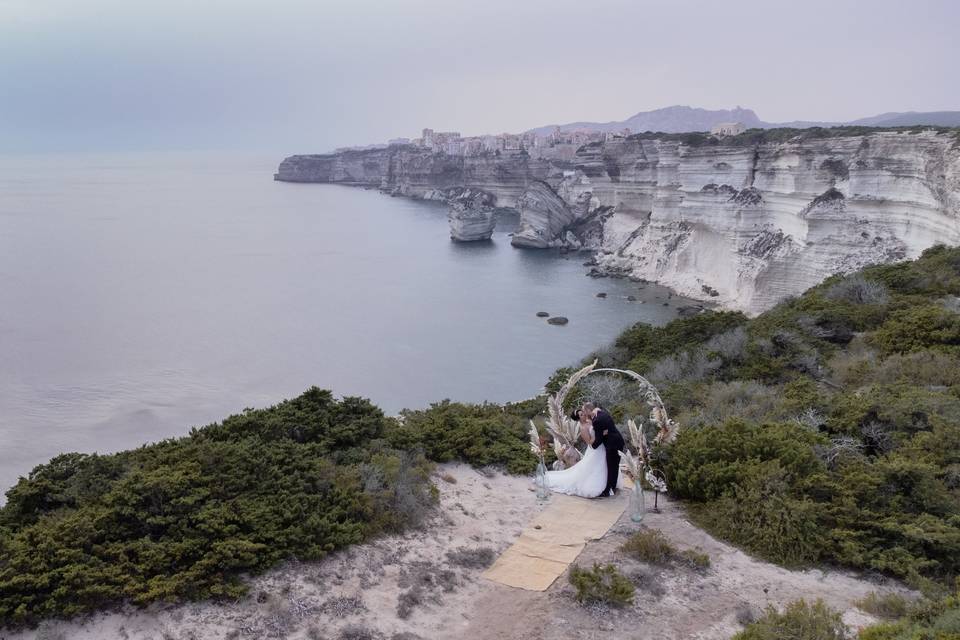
x=741, y=222
x=544, y=217
x=472, y=216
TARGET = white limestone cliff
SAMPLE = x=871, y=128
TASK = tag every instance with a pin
x=752, y=226
x=745, y=223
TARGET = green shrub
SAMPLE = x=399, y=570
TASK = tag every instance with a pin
x=694, y=559
x=718, y=402
x=937, y=619
x=646, y=344
x=649, y=545
x=478, y=558
x=885, y=605
x=704, y=464
x=602, y=583
x=924, y=368
x=485, y=434
x=799, y=621
x=858, y=290
x=936, y=273
x=928, y=326
x=762, y=514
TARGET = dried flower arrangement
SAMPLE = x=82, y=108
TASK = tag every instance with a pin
x=636, y=458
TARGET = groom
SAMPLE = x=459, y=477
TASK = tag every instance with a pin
x=605, y=433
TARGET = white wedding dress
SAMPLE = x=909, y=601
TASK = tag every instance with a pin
x=587, y=478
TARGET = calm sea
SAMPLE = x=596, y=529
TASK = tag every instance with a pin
x=144, y=294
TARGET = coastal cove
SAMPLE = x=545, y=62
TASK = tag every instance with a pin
x=143, y=294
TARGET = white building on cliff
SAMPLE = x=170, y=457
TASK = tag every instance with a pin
x=728, y=129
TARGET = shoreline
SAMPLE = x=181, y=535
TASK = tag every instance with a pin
x=122, y=422
x=597, y=270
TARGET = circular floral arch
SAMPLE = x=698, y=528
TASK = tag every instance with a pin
x=566, y=432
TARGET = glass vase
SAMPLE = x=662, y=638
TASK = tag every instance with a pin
x=543, y=490
x=637, y=507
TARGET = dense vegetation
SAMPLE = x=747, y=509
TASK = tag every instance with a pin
x=824, y=430
x=928, y=619
x=829, y=427
x=183, y=519
x=481, y=435
x=753, y=137
x=936, y=619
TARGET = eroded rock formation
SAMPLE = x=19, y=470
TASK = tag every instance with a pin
x=745, y=224
x=472, y=215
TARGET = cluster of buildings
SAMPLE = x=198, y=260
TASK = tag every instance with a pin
x=558, y=141
x=452, y=143
x=727, y=129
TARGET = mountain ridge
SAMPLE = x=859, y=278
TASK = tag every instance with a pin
x=683, y=118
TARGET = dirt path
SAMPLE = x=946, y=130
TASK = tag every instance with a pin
x=407, y=587
x=671, y=602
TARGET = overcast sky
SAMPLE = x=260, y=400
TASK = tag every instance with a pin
x=292, y=76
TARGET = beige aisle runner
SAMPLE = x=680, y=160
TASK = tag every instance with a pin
x=554, y=539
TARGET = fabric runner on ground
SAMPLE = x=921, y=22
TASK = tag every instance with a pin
x=554, y=539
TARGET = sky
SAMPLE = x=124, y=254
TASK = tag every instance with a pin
x=306, y=76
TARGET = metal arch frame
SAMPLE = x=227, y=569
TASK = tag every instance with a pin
x=668, y=428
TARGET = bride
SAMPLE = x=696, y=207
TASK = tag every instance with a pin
x=587, y=478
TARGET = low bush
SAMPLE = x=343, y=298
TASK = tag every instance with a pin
x=925, y=368
x=858, y=290
x=694, y=559
x=602, y=583
x=885, y=605
x=424, y=582
x=704, y=464
x=719, y=402
x=647, y=344
x=915, y=328
x=762, y=514
x=766, y=489
x=798, y=621
x=935, y=619
x=481, y=435
x=478, y=558
x=649, y=545
x=409, y=600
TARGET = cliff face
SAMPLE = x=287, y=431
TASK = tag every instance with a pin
x=743, y=224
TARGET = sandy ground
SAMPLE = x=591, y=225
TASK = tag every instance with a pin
x=406, y=587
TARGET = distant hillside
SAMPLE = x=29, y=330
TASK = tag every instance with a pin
x=910, y=118
x=675, y=119
x=680, y=119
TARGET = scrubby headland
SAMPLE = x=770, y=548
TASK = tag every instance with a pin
x=823, y=432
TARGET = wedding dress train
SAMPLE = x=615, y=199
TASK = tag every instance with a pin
x=587, y=478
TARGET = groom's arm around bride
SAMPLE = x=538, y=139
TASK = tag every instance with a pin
x=602, y=427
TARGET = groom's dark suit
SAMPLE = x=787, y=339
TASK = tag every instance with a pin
x=605, y=432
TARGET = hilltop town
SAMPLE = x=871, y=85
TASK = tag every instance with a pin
x=559, y=144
